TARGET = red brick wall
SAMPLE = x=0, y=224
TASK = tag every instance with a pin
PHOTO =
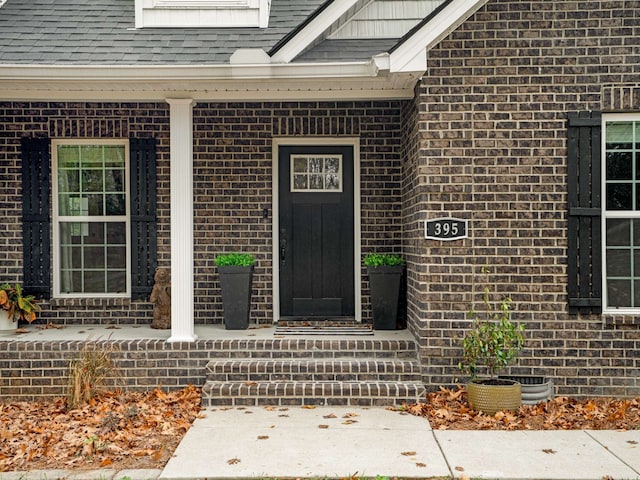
x=492, y=149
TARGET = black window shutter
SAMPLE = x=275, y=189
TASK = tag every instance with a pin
x=584, y=265
x=144, y=239
x=36, y=220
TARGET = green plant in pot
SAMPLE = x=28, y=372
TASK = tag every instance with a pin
x=493, y=343
x=16, y=305
x=385, y=277
x=236, y=274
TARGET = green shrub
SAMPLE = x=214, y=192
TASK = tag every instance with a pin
x=383, y=259
x=494, y=341
x=235, y=259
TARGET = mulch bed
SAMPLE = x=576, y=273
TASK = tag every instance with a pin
x=448, y=409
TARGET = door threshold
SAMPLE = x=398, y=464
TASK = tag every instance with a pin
x=324, y=329
x=302, y=321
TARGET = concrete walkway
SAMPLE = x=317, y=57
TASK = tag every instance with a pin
x=340, y=442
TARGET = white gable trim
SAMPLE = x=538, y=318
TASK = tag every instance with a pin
x=312, y=31
x=411, y=55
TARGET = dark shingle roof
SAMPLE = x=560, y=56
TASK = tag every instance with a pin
x=346, y=50
x=102, y=32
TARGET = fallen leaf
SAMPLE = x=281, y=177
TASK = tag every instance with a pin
x=331, y=415
x=49, y=326
x=350, y=415
x=408, y=454
x=323, y=426
x=233, y=461
x=349, y=422
x=263, y=437
x=549, y=450
x=421, y=465
x=106, y=462
x=460, y=469
x=632, y=442
x=251, y=384
x=309, y=407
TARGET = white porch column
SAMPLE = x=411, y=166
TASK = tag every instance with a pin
x=181, y=175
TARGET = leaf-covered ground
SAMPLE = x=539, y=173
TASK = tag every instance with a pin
x=116, y=430
x=448, y=409
x=141, y=430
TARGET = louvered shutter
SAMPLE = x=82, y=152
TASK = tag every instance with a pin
x=584, y=265
x=36, y=220
x=144, y=240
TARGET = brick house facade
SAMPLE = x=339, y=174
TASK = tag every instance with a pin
x=484, y=138
x=492, y=112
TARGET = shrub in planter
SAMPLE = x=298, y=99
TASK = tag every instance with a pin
x=16, y=305
x=236, y=274
x=492, y=344
x=385, y=277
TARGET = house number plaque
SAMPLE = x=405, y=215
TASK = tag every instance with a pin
x=445, y=229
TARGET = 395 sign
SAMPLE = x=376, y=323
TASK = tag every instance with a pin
x=445, y=229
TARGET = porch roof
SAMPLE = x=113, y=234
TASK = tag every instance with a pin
x=102, y=32
x=74, y=50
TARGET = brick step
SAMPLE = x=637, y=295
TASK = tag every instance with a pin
x=288, y=393
x=291, y=348
x=343, y=370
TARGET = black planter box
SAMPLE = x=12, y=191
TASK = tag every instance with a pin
x=235, y=282
x=384, y=283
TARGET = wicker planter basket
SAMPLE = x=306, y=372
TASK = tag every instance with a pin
x=492, y=398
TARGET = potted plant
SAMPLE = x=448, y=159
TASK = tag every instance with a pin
x=236, y=273
x=385, y=276
x=492, y=344
x=15, y=305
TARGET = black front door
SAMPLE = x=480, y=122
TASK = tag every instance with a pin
x=316, y=234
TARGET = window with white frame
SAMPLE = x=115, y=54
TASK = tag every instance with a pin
x=90, y=217
x=621, y=219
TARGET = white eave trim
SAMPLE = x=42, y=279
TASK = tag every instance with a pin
x=411, y=56
x=154, y=73
x=351, y=80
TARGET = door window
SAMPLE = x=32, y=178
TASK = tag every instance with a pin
x=316, y=173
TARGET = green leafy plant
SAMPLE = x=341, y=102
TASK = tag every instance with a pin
x=383, y=260
x=235, y=259
x=18, y=305
x=494, y=341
